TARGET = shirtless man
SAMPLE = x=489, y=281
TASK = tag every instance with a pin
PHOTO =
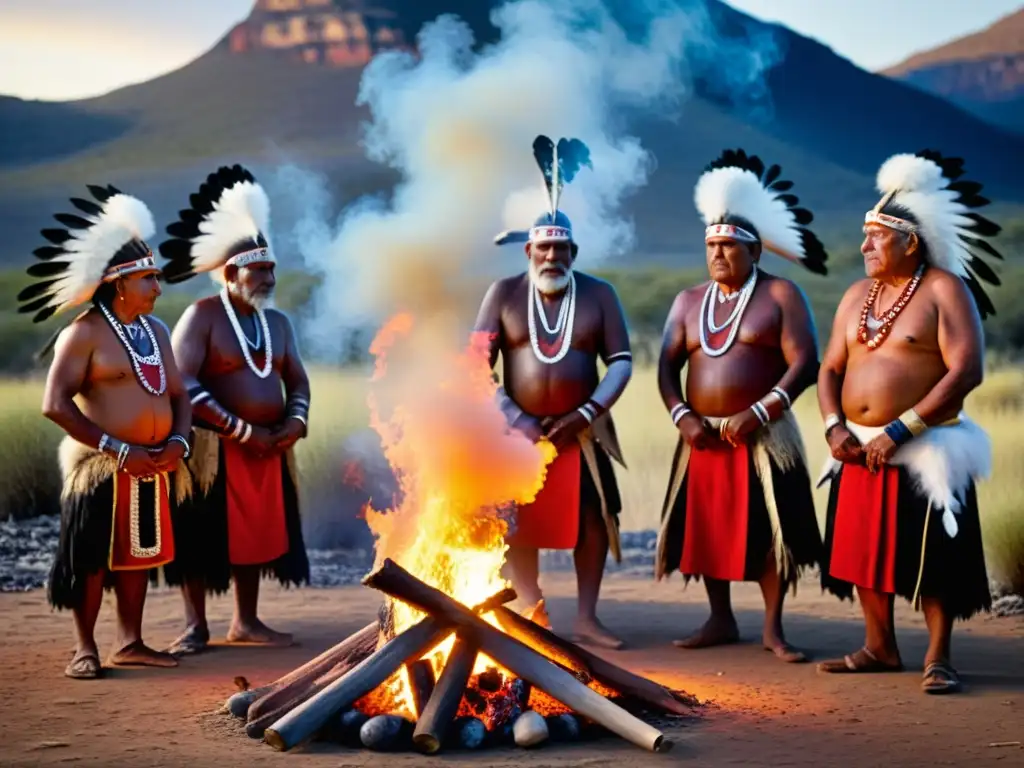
x=250, y=396
x=114, y=389
x=906, y=350
x=551, y=325
x=739, y=505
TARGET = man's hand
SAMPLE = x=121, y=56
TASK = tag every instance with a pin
x=529, y=426
x=878, y=452
x=167, y=458
x=141, y=463
x=564, y=431
x=844, y=446
x=261, y=442
x=695, y=431
x=288, y=434
x=739, y=426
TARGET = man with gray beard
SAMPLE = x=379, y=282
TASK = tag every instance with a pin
x=552, y=390
x=250, y=400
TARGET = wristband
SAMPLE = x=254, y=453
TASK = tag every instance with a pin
x=588, y=412
x=246, y=432
x=184, y=442
x=898, y=432
x=783, y=396
x=913, y=422
x=678, y=411
x=831, y=422
x=761, y=412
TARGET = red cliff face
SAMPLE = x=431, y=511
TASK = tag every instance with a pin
x=336, y=33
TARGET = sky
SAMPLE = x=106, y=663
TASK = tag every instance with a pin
x=69, y=49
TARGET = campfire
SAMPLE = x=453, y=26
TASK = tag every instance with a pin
x=447, y=664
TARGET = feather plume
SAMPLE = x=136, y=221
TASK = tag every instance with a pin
x=954, y=235
x=87, y=251
x=737, y=184
x=544, y=154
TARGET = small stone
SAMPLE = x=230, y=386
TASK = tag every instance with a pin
x=345, y=728
x=385, y=733
x=238, y=705
x=471, y=733
x=530, y=729
x=564, y=727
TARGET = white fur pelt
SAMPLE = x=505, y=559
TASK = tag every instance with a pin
x=942, y=463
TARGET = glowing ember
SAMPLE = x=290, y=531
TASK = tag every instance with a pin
x=457, y=465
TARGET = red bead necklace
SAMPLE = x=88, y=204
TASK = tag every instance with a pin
x=889, y=319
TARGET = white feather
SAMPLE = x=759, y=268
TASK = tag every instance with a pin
x=242, y=212
x=124, y=218
x=942, y=462
x=920, y=186
x=736, y=191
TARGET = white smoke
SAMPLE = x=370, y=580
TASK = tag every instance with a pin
x=459, y=125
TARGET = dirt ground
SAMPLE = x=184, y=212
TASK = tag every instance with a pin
x=762, y=711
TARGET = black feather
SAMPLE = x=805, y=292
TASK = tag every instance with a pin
x=44, y=315
x=35, y=290
x=985, y=308
x=756, y=166
x=176, y=250
x=86, y=206
x=100, y=193
x=791, y=201
x=773, y=174
x=71, y=221
x=781, y=185
x=57, y=236
x=47, y=268
x=802, y=216
x=573, y=154
x=982, y=226
x=815, y=257
x=983, y=245
x=48, y=252
x=36, y=305
x=984, y=271
x=544, y=154
x=182, y=229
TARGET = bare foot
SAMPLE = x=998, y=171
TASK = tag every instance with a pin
x=714, y=632
x=138, y=654
x=258, y=633
x=778, y=645
x=538, y=614
x=85, y=664
x=591, y=631
x=194, y=640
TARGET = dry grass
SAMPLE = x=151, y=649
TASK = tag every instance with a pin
x=29, y=481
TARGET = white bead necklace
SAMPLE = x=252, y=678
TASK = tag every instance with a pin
x=567, y=317
x=137, y=360
x=707, y=315
x=243, y=341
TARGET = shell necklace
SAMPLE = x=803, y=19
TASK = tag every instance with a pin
x=243, y=341
x=707, y=315
x=137, y=360
x=884, y=324
x=563, y=325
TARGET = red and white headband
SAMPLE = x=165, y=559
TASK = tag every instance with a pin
x=731, y=231
x=550, y=234
x=255, y=256
x=145, y=264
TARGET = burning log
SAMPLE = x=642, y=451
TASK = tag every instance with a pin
x=516, y=657
x=421, y=679
x=308, y=717
x=256, y=727
x=590, y=664
x=287, y=689
x=300, y=719
x=436, y=716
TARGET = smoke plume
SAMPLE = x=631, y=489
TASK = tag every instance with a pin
x=458, y=125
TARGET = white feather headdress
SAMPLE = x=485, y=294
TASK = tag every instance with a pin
x=923, y=194
x=737, y=185
x=107, y=242
x=228, y=223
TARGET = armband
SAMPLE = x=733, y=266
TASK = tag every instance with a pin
x=783, y=396
x=898, y=432
x=678, y=411
x=913, y=422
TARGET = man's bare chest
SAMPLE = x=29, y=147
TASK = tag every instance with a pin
x=757, y=324
x=583, y=326
x=229, y=352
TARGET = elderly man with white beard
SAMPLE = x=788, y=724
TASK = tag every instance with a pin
x=551, y=324
x=250, y=401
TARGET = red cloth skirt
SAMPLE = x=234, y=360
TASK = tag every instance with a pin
x=141, y=532
x=257, y=533
x=865, y=530
x=718, y=513
x=552, y=520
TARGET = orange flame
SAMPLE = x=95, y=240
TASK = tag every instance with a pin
x=457, y=464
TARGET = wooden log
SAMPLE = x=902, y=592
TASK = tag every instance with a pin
x=621, y=680
x=518, y=658
x=285, y=689
x=257, y=727
x=538, y=638
x=435, y=718
x=307, y=718
x=421, y=681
